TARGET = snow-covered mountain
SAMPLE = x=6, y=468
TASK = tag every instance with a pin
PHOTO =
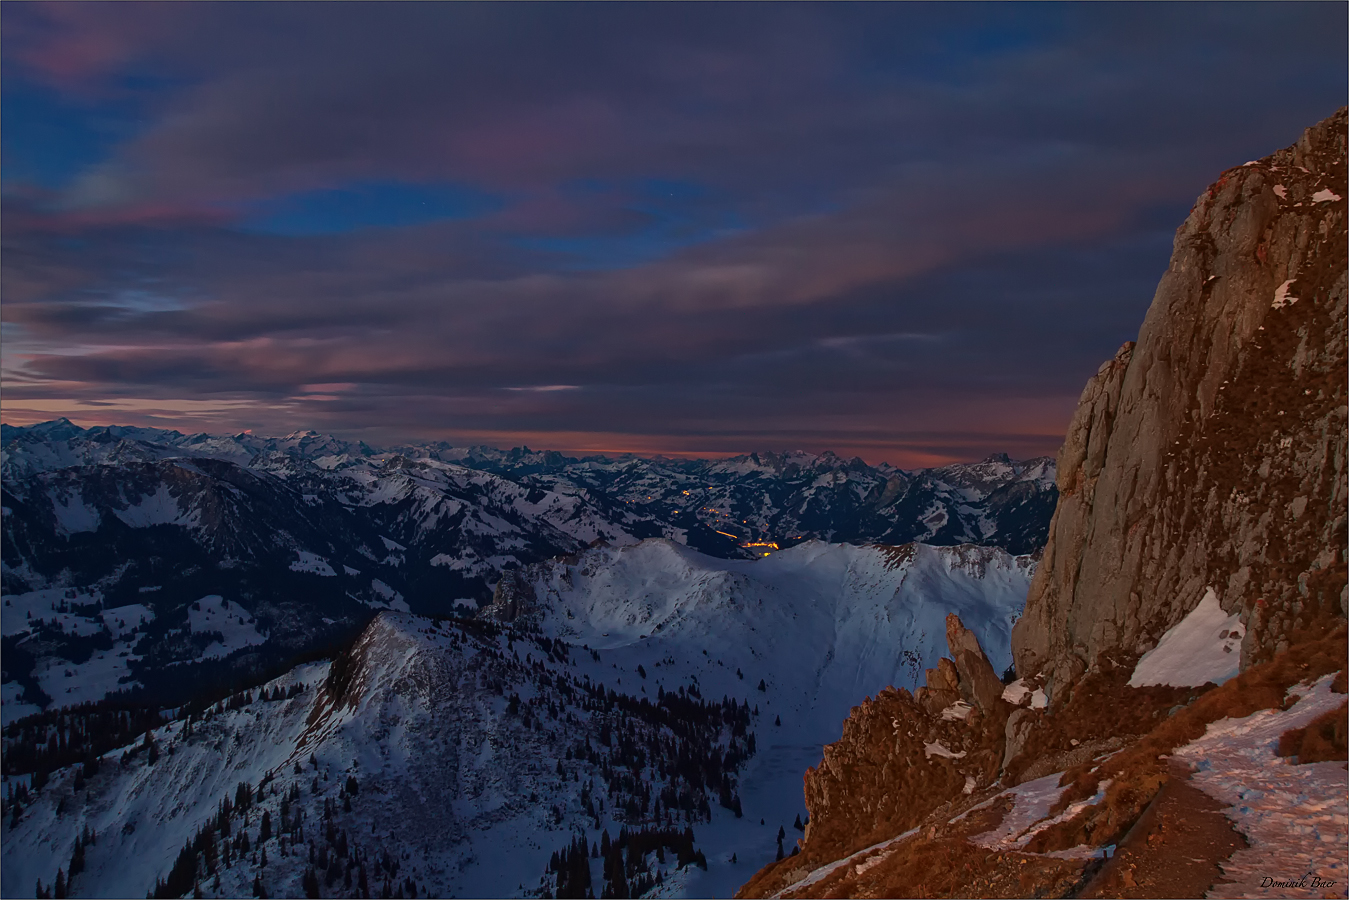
x=304, y=537
x=761, y=497
x=645, y=697
x=770, y=499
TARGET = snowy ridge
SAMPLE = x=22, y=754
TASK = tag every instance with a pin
x=851, y=619
x=456, y=730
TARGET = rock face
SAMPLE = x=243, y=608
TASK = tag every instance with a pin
x=1208, y=454
x=978, y=683
x=1212, y=452
x=902, y=756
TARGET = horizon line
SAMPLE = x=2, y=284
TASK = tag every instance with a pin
x=572, y=453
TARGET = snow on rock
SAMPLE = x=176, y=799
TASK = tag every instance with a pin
x=1296, y=817
x=937, y=748
x=1031, y=802
x=1039, y=699
x=237, y=629
x=1325, y=196
x=958, y=711
x=1203, y=647
x=1030, y=815
x=862, y=859
x=1016, y=692
x=313, y=563
x=1281, y=296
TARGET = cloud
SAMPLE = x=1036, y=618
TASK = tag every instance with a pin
x=903, y=230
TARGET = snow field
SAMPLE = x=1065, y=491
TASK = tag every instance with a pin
x=1202, y=647
x=464, y=791
x=238, y=629
x=142, y=813
x=20, y=613
x=1296, y=817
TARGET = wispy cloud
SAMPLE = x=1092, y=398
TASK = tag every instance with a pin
x=905, y=230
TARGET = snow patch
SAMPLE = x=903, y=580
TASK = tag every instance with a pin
x=237, y=628
x=937, y=748
x=313, y=563
x=823, y=872
x=1204, y=646
x=1281, y=298
x=1325, y=196
x=1015, y=692
x=159, y=508
x=958, y=711
x=1030, y=813
x=392, y=598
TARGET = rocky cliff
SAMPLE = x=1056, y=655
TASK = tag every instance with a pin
x=1205, y=466
x=1211, y=453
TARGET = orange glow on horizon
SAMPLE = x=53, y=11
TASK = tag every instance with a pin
x=224, y=417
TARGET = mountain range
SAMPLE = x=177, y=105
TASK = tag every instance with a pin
x=157, y=565
x=427, y=671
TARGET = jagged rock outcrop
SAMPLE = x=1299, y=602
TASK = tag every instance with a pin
x=978, y=683
x=903, y=755
x=514, y=598
x=1212, y=452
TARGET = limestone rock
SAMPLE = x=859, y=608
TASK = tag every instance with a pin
x=1212, y=452
x=1019, y=726
x=978, y=683
x=942, y=688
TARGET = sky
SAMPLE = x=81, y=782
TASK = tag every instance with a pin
x=908, y=232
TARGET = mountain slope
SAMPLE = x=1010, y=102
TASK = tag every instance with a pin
x=481, y=748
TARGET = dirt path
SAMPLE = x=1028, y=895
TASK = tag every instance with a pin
x=1173, y=850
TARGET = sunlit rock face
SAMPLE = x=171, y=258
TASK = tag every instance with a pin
x=1211, y=453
